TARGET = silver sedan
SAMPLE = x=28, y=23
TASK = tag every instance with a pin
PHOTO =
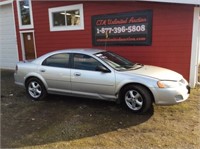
x=100, y=74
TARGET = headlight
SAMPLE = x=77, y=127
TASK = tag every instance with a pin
x=168, y=84
x=183, y=81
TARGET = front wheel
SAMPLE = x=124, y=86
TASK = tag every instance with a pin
x=35, y=89
x=137, y=98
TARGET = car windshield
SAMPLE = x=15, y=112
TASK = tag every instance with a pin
x=117, y=62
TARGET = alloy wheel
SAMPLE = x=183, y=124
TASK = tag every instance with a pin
x=133, y=100
x=34, y=89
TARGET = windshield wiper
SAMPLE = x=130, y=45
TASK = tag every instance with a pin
x=135, y=66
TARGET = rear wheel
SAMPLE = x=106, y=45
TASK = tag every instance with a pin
x=35, y=89
x=137, y=98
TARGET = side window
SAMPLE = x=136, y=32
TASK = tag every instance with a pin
x=85, y=62
x=57, y=60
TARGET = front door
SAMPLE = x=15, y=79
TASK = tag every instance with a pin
x=86, y=81
x=29, y=46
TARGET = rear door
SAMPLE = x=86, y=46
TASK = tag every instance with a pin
x=88, y=82
x=56, y=72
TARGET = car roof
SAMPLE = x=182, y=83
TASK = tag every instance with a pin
x=89, y=51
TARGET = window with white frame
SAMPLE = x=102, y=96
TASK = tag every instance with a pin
x=24, y=10
x=66, y=18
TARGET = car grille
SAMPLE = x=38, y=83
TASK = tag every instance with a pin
x=184, y=82
x=188, y=87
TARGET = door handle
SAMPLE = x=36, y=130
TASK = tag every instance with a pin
x=42, y=70
x=77, y=74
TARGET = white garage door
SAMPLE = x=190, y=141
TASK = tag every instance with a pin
x=8, y=42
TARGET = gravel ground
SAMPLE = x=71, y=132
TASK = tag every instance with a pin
x=66, y=122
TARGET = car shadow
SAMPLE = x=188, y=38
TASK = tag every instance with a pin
x=59, y=118
x=63, y=118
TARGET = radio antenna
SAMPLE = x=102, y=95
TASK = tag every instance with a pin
x=106, y=33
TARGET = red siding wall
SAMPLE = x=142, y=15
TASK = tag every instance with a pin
x=171, y=32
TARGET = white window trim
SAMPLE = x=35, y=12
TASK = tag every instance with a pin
x=22, y=43
x=66, y=8
x=19, y=16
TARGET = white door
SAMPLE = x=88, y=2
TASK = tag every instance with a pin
x=8, y=41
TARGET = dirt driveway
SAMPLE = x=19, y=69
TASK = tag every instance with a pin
x=66, y=122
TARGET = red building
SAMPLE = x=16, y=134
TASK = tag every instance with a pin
x=164, y=34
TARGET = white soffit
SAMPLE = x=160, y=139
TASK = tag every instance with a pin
x=4, y=2
x=194, y=2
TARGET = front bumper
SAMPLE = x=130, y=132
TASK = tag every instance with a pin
x=170, y=96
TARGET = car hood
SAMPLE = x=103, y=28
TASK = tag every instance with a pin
x=156, y=72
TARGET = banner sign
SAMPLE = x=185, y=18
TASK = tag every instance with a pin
x=132, y=28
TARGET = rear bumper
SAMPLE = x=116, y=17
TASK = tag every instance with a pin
x=18, y=80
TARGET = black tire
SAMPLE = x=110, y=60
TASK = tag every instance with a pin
x=35, y=89
x=136, y=98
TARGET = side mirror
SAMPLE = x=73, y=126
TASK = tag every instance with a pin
x=102, y=68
